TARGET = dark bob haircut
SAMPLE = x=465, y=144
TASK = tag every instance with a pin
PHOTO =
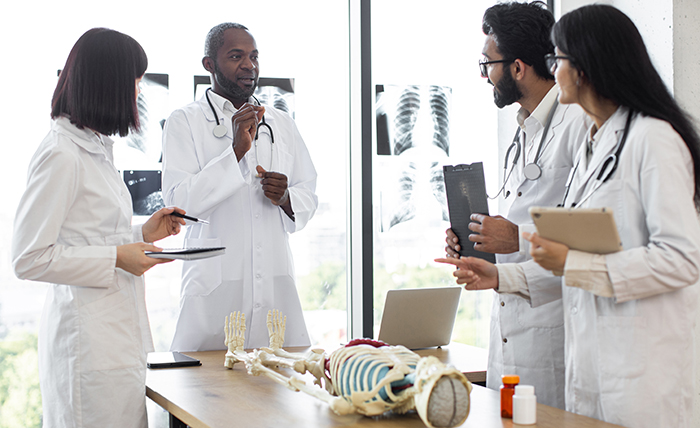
x=608, y=49
x=522, y=31
x=96, y=87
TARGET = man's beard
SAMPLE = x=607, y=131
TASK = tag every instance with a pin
x=506, y=91
x=231, y=87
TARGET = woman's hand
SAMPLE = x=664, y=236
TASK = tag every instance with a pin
x=162, y=224
x=131, y=258
x=548, y=254
x=474, y=273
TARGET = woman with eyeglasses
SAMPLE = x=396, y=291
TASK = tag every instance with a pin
x=628, y=315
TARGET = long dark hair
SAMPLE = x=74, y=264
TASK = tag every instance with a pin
x=607, y=47
x=521, y=31
x=96, y=87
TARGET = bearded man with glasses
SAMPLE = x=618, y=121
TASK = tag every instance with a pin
x=527, y=326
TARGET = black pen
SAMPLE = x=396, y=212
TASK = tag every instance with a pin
x=186, y=217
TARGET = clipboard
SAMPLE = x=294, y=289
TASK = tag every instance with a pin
x=592, y=230
x=465, y=188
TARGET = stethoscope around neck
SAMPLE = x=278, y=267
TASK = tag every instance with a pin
x=612, y=161
x=532, y=171
x=220, y=129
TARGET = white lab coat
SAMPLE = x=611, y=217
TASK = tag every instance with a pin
x=527, y=336
x=201, y=175
x=629, y=359
x=94, y=332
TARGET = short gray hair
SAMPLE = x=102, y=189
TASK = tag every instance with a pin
x=215, y=38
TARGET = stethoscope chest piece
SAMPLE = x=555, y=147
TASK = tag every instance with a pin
x=532, y=171
x=220, y=130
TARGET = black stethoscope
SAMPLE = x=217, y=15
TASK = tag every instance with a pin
x=220, y=129
x=603, y=175
x=532, y=171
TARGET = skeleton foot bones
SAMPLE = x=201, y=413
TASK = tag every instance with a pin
x=366, y=376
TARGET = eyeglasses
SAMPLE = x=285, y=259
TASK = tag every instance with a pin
x=552, y=61
x=483, y=64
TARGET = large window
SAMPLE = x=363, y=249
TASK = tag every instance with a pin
x=432, y=109
x=309, y=48
x=427, y=51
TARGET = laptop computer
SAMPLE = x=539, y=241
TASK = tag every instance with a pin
x=419, y=317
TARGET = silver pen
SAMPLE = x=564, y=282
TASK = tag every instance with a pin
x=190, y=218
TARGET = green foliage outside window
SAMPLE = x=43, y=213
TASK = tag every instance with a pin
x=20, y=396
x=324, y=289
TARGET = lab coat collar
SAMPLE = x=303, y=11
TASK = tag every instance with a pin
x=541, y=111
x=222, y=104
x=605, y=141
x=85, y=138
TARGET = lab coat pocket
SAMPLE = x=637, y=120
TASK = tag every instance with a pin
x=108, y=333
x=622, y=346
x=201, y=277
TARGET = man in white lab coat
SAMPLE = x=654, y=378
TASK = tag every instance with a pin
x=244, y=168
x=527, y=329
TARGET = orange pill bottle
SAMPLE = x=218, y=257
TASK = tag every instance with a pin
x=507, y=391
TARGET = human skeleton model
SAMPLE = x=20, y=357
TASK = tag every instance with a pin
x=366, y=376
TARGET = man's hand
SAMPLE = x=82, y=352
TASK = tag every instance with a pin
x=245, y=125
x=274, y=186
x=452, y=249
x=473, y=272
x=494, y=235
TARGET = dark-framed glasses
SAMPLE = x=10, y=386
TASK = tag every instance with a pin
x=483, y=64
x=552, y=61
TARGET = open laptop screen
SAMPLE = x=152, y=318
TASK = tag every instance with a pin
x=419, y=317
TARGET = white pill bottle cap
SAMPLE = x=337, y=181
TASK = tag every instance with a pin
x=524, y=405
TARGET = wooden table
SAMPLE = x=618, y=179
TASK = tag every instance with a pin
x=212, y=396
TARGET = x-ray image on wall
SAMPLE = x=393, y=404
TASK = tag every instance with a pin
x=145, y=190
x=139, y=155
x=412, y=116
x=276, y=92
x=413, y=143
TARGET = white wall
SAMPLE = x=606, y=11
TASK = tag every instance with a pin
x=686, y=67
x=669, y=28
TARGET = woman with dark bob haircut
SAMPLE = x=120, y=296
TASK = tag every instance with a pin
x=628, y=315
x=73, y=229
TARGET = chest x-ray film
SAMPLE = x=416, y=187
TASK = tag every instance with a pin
x=466, y=194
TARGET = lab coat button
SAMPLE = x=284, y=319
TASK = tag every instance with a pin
x=520, y=193
x=257, y=275
x=574, y=310
x=503, y=303
x=505, y=340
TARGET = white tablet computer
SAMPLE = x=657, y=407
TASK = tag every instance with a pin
x=592, y=230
